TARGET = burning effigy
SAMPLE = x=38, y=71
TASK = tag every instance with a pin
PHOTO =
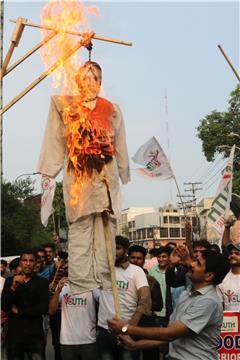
x=84, y=136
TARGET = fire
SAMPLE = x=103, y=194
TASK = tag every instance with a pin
x=89, y=133
x=70, y=16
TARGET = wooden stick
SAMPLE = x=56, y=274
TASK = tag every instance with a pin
x=17, y=33
x=42, y=77
x=229, y=62
x=51, y=285
x=30, y=52
x=108, y=241
x=121, y=42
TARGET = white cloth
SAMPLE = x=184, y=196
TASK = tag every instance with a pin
x=53, y=158
x=128, y=282
x=229, y=292
x=78, y=324
x=87, y=255
x=93, y=196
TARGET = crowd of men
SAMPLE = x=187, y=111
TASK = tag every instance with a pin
x=171, y=305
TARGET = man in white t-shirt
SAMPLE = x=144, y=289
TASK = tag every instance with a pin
x=229, y=289
x=78, y=322
x=134, y=298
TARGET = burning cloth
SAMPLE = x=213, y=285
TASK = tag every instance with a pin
x=85, y=136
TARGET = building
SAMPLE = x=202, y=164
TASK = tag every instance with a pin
x=154, y=227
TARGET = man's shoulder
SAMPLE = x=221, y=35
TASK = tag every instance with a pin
x=153, y=269
x=8, y=281
x=40, y=280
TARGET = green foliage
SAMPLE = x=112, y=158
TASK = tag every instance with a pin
x=223, y=128
x=21, y=227
x=58, y=216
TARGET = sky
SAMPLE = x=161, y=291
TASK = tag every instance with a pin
x=173, y=76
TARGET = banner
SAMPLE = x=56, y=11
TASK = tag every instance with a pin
x=154, y=160
x=221, y=202
x=48, y=190
x=229, y=343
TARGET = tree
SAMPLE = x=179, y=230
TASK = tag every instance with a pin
x=59, y=216
x=21, y=227
x=223, y=129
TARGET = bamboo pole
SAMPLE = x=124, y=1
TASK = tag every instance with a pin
x=229, y=62
x=108, y=241
x=102, y=38
x=45, y=74
x=17, y=33
x=30, y=52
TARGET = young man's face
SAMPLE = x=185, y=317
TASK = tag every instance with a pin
x=234, y=257
x=121, y=254
x=27, y=264
x=197, y=271
x=3, y=269
x=137, y=258
x=42, y=256
x=49, y=254
x=17, y=270
x=163, y=260
x=197, y=251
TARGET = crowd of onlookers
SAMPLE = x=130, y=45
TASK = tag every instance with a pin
x=37, y=298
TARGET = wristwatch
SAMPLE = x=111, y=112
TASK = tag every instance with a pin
x=125, y=329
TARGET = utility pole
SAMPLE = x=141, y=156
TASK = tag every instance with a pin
x=193, y=189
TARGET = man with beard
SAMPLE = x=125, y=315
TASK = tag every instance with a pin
x=194, y=327
x=229, y=289
x=25, y=297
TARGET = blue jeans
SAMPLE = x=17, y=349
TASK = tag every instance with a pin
x=110, y=350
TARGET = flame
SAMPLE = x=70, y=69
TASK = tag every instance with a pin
x=71, y=16
x=89, y=133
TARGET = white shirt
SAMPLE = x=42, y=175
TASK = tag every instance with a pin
x=93, y=194
x=78, y=324
x=229, y=291
x=129, y=280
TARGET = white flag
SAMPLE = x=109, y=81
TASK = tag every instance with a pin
x=154, y=160
x=221, y=202
x=48, y=189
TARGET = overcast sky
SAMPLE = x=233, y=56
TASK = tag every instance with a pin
x=174, y=51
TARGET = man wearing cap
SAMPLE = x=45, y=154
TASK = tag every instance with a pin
x=85, y=135
x=229, y=289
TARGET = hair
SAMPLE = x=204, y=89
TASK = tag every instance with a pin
x=215, y=247
x=63, y=255
x=14, y=263
x=216, y=263
x=4, y=262
x=50, y=245
x=89, y=64
x=171, y=243
x=153, y=251
x=28, y=252
x=203, y=243
x=123, y=241
x=137, y=248
x=163, y=249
